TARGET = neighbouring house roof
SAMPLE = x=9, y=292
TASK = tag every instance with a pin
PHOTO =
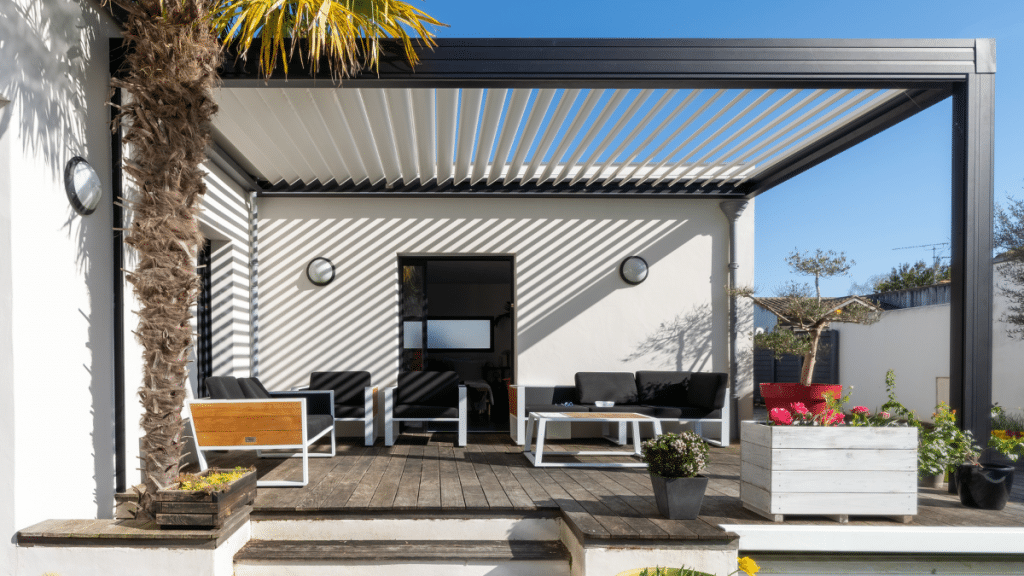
x=777, y=306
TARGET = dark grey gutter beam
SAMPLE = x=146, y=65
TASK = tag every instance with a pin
x=970, y=374
x=650, y=63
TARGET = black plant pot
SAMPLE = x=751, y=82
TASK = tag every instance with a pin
x=987, y=486
x=679, y=498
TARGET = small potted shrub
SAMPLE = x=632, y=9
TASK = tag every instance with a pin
x=674, y=462
x=944, y=446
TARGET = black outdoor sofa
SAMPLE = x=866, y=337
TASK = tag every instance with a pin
x=670, y=396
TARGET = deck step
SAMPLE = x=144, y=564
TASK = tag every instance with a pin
x=387, y=557
x=436, y=525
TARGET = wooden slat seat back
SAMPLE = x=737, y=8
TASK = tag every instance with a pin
x=248, y=423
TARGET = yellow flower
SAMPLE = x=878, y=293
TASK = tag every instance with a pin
x=748, y=566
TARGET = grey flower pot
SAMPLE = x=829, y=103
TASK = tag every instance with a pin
x=679, y=498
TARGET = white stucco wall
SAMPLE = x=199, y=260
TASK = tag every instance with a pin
x=573, y=311
x=225, y=221
x=914, y=342
x=56, y=457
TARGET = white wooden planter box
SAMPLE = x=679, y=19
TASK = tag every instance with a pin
x=828, y=471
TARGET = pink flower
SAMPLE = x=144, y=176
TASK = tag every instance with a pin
x=885, y=414
x=799, y=408
x=859, y=410
x=780, y=416
x=833, y=417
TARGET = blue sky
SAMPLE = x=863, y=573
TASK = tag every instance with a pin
x=889, y=192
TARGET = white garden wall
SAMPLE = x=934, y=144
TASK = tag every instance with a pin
x=914, y=342
x=56, y=277
x=573, y=311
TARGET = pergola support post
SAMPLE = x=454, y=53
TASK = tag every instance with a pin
x=970, y=375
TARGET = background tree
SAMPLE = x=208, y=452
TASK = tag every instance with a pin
x=913, y=275
x=170, y=70
x=1009, y=238
x=803, y=315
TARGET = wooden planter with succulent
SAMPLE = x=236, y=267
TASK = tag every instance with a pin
x=206, y=500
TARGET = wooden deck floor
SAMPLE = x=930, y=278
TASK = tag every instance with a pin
x=427, y=474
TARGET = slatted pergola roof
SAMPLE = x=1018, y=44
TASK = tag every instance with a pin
x=534, y=140
x=668, y=118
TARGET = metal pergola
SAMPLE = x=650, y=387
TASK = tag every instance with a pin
x=473, y=118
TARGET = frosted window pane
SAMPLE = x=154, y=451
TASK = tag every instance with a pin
x=412, y=335
x=453, y=334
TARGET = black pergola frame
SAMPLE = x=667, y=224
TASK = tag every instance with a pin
x=931, y=70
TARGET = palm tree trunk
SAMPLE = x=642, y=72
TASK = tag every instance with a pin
x=171, y=71
x=810, y=358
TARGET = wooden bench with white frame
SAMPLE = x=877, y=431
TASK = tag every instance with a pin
x=256, y=424
x=244, y=415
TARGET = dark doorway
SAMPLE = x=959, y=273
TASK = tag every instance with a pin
x=458, y=314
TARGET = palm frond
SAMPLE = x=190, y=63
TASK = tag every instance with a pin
x=347, y=33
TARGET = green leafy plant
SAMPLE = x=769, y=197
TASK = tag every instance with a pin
x=675, y=455
x=943, y=446
x=803, y=315
x=912, y=276
x=1007, y=433
x=1003, y=420
x=213, y=482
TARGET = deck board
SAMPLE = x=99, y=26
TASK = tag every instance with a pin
x=427, y=472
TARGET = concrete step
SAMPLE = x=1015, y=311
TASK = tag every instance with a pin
x=389, y=557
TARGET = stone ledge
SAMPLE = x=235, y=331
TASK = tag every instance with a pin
x=124, y=533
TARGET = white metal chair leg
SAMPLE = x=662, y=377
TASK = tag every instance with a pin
x=539, y=454
x=389, y=416
x=369, y=433
x=528, y=437
x=199, y=452
x=463, y=411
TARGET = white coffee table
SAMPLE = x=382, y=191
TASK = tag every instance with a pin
x=541, y=419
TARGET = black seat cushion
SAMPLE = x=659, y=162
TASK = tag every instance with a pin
x=253, y=388
x=428, y=389
x=618, y=387
x=661, y=388
x=224, y=388
x=621, y=409
x=684, y=412
x=348, y=387
x=556, y=408
x=349, y=411
x=706, y=390
x=425, y=411
x=317, y=423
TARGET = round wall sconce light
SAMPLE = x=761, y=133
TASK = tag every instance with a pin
x=320, y=271
x=82, y=185
x=633, y=270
